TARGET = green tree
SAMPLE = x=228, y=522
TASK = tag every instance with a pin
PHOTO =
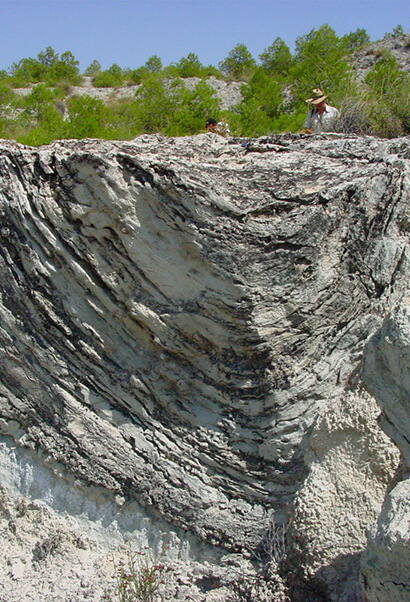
x=64, y=69
x=239, y=64
x=356, y=39
x=48, y=67
x=111, y=78
x=40, y=118
x=261, y=104
x=6, y=95
x=153, y=64
x=93, y=69
x=194, y=107
x=116, y=71
x=189, y=66
x=397, y=32
x=38, y=102
x=48, y=57
x=276, y=59
x=385, y=76
x=320, y=62
x=88, y=118
x=27, y=71
x=155, y=104
x=136, y=76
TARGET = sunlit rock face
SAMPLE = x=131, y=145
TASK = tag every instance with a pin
x=386, y=562
x=177, y=313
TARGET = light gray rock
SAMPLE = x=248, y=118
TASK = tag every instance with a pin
x=386, y=563
x=228, y=93
x=178, y=314
x=351, y=464
x=363, y=59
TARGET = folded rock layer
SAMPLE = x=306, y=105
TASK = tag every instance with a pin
x=176, y=313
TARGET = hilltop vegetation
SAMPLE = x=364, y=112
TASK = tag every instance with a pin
x=273, y=92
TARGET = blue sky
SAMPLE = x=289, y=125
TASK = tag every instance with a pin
x=128, y=32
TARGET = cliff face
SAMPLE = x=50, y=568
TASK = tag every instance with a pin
x=386, y=563
x=178, y=314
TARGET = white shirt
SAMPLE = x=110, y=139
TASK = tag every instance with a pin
x=222, y=129
x=321, y=123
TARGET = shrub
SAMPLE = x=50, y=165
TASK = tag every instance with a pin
x=261, y=104
x=387, y=97
x=111, y=78
x=353, y=117
x=88, y=118
x=193, y=109
x=266, y=584
x=155, y=104
x=139, y=578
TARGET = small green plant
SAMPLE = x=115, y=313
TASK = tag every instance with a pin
x=138, y=577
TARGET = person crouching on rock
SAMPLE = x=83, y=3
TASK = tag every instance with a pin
x=321, y=117
x=218, y=127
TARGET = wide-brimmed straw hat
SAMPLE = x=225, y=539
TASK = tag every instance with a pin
x=317, y=97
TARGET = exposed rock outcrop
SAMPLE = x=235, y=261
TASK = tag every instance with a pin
x=386, y=564
x=228, y=93
x=351, y=464
x=177, y=315
x=365, y=58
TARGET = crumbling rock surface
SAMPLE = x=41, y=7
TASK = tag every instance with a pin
x=386, y=563
x=351, y=464
x=177, y=314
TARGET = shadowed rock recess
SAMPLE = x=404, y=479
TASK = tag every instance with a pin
x=177, y=314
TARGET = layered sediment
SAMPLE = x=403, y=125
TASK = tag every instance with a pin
x=177, y=315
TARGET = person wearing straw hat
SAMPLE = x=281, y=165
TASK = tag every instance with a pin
x=321, y=116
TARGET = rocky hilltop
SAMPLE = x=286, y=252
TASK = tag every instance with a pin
x=182, y=331
x=363, y=59
x=228, y=93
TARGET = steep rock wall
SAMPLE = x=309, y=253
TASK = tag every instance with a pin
x=386, y=563
x=177, y=314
